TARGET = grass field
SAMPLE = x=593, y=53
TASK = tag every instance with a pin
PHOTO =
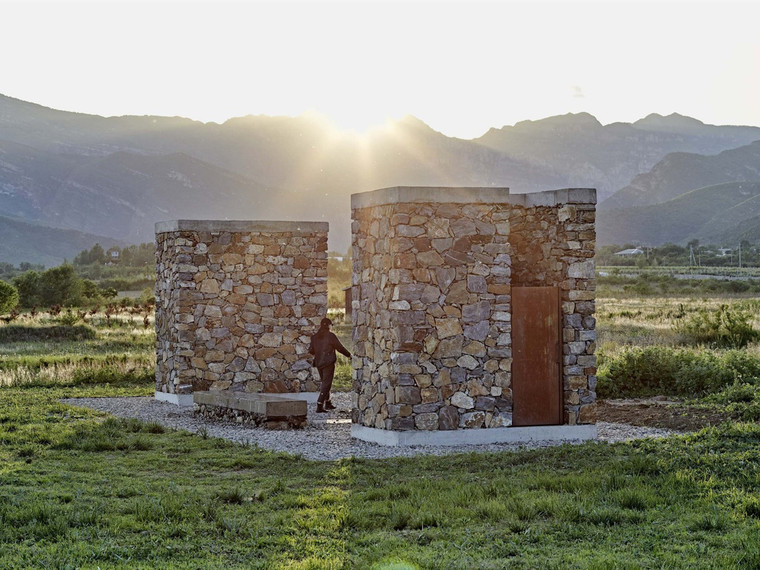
x=81, y=490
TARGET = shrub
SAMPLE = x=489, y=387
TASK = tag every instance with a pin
x=8, y=297
x=69, y=318
x=651, y=371
x=724, y=328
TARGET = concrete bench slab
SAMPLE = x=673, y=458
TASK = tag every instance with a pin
x=273, y=411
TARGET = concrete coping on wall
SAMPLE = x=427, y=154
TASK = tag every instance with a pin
x=561, y=433
x=242, y=226
x=471, y=195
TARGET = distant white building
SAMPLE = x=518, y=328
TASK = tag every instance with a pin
x=112, y=256
x=724, y=251
x=634, y=251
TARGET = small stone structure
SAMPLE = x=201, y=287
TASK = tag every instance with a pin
x=236, y=302
x=432, y=286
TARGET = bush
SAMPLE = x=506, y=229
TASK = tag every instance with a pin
x=69, y=318
x=652, y=371
x=725, y=328
x=8, y=297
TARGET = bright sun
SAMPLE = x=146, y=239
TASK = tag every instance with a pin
x=357, y=119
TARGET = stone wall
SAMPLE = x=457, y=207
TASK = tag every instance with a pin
x=553, y=244
x=236, y=302
x=432, y=277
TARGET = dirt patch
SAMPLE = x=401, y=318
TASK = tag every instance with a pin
x=657, y=412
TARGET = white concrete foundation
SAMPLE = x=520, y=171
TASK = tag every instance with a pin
x=181, y=400
x=186, y=400
x=474, y=436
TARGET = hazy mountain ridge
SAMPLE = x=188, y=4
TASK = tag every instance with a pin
x=608, y=157
x=39, y=244
x=117, y=176
x=681, y=172
x=723, y=214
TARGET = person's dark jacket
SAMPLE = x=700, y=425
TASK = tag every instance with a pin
x=323, y=346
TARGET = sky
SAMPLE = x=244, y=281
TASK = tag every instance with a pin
x=461, y=67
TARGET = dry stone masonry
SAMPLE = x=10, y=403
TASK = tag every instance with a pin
x=431, y=291
x=236, y=302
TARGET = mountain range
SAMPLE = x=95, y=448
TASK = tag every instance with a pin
x=113, y=178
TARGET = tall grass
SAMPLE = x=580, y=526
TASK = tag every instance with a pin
x=113, y=371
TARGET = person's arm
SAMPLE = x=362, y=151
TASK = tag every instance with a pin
x=339, y=347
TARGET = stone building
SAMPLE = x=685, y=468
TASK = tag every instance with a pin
x=473, y=315
x=236, y=302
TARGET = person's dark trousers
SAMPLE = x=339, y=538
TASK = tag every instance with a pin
x=326, y=378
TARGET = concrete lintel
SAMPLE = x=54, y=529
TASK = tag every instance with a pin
x=475, y=436
x=241, y=226
x=181, y=400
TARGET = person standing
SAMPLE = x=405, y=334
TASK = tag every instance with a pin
x=323, y=345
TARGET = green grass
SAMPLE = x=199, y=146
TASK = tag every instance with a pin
x=80, y=489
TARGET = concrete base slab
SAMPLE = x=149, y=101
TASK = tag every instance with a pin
x=474, y=436
x=181, y=400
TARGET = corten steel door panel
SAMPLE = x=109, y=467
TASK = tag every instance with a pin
x=536, y=382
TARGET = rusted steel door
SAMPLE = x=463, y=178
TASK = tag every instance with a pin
x=536, y=380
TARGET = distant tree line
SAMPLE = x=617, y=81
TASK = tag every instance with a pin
x=132, y=269
x=693, y=253
x=59, y=286
x=131, y=256
x=8, y=271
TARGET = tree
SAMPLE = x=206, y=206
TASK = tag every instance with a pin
x=60, y=286
x=8, y=297
x=28, y=284
x=90, y=291
x=96, y=254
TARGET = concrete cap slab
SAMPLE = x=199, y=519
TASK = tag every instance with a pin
x=471, y=195
x=242, y=226
x=561, y=196
x=439, y=194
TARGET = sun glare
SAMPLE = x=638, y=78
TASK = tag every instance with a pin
x=357, y=120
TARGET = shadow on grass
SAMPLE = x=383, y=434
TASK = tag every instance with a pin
x=20, y=333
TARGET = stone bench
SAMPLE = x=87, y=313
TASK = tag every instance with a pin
x=273, y=411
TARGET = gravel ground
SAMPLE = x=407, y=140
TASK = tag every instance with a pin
x=326, y=437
